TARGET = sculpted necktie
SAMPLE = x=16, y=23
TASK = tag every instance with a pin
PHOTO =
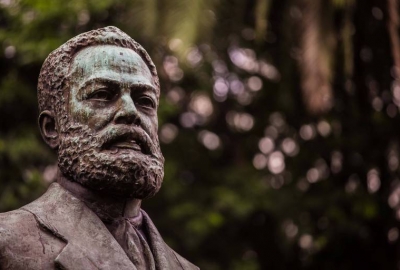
x=129, y=234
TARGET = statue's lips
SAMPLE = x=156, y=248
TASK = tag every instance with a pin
x=131, y=144
x=128, y=138
x=128, y=142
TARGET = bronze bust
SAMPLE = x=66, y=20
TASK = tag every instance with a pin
x=98, y=97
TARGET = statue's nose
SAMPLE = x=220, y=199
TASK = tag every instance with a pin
x=127, y=112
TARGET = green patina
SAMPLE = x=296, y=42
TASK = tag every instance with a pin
x=110, y=68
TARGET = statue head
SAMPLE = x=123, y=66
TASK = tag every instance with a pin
x=98, y=97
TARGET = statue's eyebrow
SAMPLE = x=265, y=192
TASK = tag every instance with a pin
x=84, y=85
x=144, y=87
x=116, y=83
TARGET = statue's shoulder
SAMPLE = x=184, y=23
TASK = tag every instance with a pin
x=18, y=229
x=23, y=221
x=24, y=244
x=15, y=223
x=19, y=226
x=19, y=222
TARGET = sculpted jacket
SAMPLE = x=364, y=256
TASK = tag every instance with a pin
x=58, y=231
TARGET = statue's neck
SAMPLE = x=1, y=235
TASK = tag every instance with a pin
x=107, y=207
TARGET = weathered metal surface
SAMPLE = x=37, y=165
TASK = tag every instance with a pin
x=98, y=97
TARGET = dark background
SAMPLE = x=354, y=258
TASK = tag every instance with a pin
x=279, y=122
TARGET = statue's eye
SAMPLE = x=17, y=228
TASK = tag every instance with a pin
x=146, y=102
x=102, y=95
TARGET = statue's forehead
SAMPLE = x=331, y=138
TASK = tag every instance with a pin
x=97, y=59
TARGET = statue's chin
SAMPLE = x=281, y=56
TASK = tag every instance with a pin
x=119, y=189
x=128, y=180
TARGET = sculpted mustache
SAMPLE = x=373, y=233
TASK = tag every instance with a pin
x=115, y=134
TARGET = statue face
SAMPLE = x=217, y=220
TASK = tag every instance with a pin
x=110, y=141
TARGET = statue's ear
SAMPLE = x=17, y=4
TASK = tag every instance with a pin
x=48, y=129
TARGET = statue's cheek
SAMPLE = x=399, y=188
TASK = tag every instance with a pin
x=96, y=117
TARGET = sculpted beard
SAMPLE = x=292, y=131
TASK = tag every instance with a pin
x=131, y=174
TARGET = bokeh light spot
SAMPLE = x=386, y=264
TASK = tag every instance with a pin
x=9, y=52
x=209, y=139
x=276, y=162
x=175, y=95
x=306, y=241
x=266, y=145
x=201, y=104
x=240, y=121
x=373, y=181
x=254, y=83
x=168, y=133
x=307, y=132
x=260, y=161
x=188, y=119
x=324, y=128
x=290, y=147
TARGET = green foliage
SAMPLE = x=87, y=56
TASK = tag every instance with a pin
x=253, y=180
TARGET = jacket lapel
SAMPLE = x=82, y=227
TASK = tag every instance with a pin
x=89, y=244
x=164, y=257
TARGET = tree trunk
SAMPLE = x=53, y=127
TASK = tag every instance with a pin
x=393, y=25
x=314, y=61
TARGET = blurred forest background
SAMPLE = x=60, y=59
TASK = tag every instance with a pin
x=279, y=121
